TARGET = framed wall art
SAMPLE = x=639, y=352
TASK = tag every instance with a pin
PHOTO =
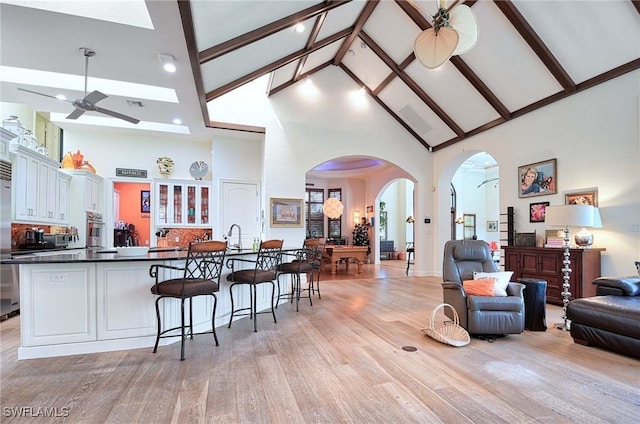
x=145, y=201
x=537, y=211
x=286, y=212
x=582, y=197
x=492, y=226
x=537, y=179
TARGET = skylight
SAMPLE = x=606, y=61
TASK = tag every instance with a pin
x=127, y=12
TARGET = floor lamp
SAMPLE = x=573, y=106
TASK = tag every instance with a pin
x=566, y=216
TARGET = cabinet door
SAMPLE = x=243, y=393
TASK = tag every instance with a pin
x=62, y=197
x=204, y=205
x=58, y=303
x=47, y=186
x=125, y=306
x=25, y=183
x=92, y=194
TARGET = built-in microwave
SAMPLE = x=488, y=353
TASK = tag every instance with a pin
x=95, y=227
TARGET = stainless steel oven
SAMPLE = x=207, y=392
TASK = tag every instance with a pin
x=95, y=229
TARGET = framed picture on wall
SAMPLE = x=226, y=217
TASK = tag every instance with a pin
x=537, y=211
x=286, y=212
x=145, y=201
x=537, y=179
x=492, y=226
x=582, y=197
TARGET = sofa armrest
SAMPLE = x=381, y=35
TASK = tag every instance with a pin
x=515, y=289
x=617, y=286
x=454, y=295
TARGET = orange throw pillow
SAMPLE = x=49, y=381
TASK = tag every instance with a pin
x=482, y=287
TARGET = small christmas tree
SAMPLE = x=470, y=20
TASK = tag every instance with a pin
x=361, y=236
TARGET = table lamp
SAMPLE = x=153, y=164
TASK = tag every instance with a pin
x=565, y=216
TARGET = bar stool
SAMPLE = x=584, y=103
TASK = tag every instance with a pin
x=201, y=278
x=302, y=264
x=410, y=252
x=264, y=271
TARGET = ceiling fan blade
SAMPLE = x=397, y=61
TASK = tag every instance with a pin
x=41, y=94
x=95, y=96
x=75, y=114
x=117, y=115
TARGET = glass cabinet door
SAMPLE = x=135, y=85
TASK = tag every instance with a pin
x=182, y=203
x=204, y=205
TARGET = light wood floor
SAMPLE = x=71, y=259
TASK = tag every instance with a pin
x=338, y=361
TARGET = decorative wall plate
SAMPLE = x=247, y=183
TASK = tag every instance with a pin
x=198, y=169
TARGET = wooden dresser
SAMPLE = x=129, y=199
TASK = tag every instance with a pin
x=546, y=264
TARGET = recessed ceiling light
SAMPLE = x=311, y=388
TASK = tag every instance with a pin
x=168, y=62
x=177, y=121
x=61, y=97
x=299, y=28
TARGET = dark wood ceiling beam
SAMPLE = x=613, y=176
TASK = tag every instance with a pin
x=312, y=39
x=275, y=65
x=190, y=37
x=266, y=30
x=511, y=12
x=636, y=4
x=367, y=10
x=414, y=14
x=302, y=76
x=386, y=108
x=480, y=86
x=411, y=84
x=585, y=85
x=393, y=75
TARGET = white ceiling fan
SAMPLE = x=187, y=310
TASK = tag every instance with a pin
x=454, y=31
x=88, y=102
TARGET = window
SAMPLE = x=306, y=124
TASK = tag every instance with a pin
x=314, y=218
x=335, y=225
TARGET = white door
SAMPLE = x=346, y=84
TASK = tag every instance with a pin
x=241, y=206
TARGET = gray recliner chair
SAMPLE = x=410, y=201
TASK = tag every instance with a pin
x=479, y=315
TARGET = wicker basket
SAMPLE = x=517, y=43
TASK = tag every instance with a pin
x=451, y=334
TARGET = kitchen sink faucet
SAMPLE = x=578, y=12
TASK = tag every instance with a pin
x=239, y=245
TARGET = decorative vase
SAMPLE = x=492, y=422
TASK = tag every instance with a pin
x=78, y=159
x=165, y=165
x=67, y=161
x=86, y=166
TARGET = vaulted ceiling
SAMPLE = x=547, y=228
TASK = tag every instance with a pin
x=529, y=54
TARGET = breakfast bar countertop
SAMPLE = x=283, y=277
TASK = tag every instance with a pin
x=107, y=255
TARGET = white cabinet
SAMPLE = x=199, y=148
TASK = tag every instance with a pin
x=61, y=304
x=126, y=307
x=37, y=192
x=26, y=169
x=180, y=203
x=63, y=184
x=92, y=201
x=6, y=138
x=86, y=190
x=47, y=184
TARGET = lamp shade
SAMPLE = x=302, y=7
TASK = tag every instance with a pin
x=432, y=48
x=597, y=221
x=569, y=216
x=332, y=208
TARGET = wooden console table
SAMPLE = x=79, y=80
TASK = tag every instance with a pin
x=343, y=252
x=545, y=263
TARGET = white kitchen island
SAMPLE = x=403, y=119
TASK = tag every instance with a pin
x=82, y=302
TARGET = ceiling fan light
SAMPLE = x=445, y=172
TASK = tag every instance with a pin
x=433, y=49
x=464, y=21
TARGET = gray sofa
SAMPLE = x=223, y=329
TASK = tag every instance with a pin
x=611, y=319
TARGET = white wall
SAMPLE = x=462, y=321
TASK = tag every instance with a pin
x=594, y=137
